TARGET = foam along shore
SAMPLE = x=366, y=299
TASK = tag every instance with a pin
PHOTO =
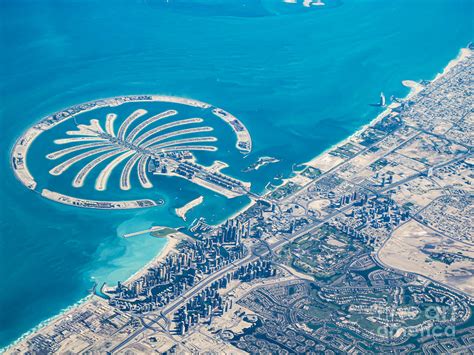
x=323, y=159
x=181, y=212
x=64, y=313
x=463, y=54
x=114, y=205
x=326, y=161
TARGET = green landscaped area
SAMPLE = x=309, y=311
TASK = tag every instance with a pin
x=164, y=232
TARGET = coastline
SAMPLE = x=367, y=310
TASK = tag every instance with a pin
x=464, y=53
x=332, y=161
x=172, y=240
x=316, y=161
x=414, y=87
x=47, y=322
x=19, y=151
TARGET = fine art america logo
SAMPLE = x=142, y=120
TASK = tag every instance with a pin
x=159, y=135
x=437, y=321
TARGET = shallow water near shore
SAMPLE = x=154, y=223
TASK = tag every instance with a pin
x=300, y=79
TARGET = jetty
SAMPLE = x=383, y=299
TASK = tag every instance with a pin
x=149, y=230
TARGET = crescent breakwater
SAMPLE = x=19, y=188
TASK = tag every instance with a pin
x=321, y=159
x=78, y=202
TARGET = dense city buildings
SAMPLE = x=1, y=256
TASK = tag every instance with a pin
x=369, y=249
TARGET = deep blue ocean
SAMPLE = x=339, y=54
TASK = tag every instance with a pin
x=301, y=79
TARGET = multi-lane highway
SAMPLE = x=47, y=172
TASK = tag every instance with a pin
x=169, y=309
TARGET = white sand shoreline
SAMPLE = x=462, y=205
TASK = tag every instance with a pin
x=181, y=212
x=170, y=246
x=172, y=241
x=414, y=87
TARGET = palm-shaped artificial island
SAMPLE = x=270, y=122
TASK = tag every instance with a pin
x=161, y=144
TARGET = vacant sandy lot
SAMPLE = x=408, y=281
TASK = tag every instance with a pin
x=412, y=247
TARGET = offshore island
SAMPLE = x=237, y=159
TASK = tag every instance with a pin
x=136, y=142
x=327, y=262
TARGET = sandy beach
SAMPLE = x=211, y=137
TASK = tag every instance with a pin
x=172, y=241
x=174, y=238
x=48, y=322
x=325, y=161
x=181, y=212
x=415, y=88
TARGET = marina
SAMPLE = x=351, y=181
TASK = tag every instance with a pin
x=299, y=78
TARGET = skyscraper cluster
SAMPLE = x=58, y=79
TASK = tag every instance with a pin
x=171, y=278
x=209, y=302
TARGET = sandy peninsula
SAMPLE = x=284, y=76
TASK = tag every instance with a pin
x=181, y=212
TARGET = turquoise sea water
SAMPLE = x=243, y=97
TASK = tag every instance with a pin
x=299, y=78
